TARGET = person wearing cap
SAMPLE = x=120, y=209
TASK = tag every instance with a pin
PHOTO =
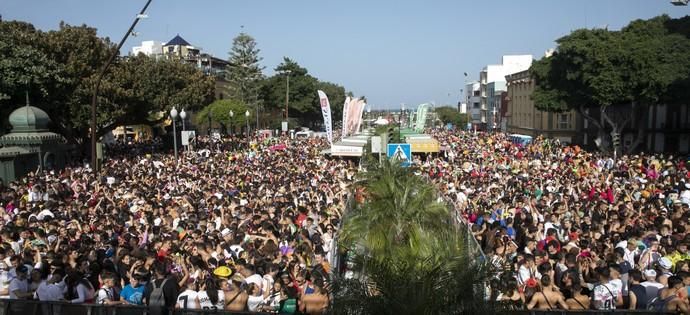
x=665, y=266
x=650, y=284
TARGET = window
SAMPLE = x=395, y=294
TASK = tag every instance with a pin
x=475, y=105
x=563, y=121
x=476, y=93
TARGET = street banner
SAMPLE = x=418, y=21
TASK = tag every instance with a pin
x=350, y=123
x=421, y=117
x=326, y=111
x=360, y=114
x=346, y=108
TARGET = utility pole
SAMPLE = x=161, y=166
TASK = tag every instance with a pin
x=94, y=98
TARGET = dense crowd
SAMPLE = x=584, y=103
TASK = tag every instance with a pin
x=230, y=226
x=571, y=229
x=250, y=226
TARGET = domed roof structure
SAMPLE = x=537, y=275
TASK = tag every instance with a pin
x=29, y=118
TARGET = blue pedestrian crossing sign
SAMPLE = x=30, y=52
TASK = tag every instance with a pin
x=400, y=152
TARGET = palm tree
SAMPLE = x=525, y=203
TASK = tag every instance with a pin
x=399, y=211
x=414, y=261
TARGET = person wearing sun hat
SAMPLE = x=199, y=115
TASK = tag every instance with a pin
x=222, y=272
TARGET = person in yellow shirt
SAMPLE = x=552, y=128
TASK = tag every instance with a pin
x=681, y=253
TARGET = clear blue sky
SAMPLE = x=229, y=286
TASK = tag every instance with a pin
x=392, y=51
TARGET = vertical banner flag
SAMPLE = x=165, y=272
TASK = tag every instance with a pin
x=351, y=121
x=421, y=116
x=346, y=108
x=326, y=111
x=360, y=115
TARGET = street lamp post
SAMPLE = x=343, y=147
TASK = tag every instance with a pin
x=232, y=131
x=287, y=94
x=183, y=115
x=246, y=118
x=94, y=98
x=173, y=116
x=402, y=109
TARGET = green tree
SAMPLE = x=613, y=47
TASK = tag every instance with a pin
x=63, y=66
x=24, y=66
x=451, y=115
x=244, y=72
x=220, y=112
x=398, y=215
x=410, y=258
x=595, y=70
x=304, y=108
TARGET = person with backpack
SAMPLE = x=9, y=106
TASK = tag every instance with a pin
x=106, y=294
x=606, y=296
x=669, y=298
x=161, y=293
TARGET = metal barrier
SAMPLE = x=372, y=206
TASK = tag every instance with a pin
x=588, y=312
x=335, y=252
x=31, y=307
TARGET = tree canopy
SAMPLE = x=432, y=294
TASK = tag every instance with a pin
x=304, y=108
x=244, y=70
x=645, y=63
x=451, y=115
x=59, y=70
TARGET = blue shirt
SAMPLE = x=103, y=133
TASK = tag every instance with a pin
x=133, y=295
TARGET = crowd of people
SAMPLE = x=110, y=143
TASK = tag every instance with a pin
x=567, y=228
x=242, y=226
x=230, y=225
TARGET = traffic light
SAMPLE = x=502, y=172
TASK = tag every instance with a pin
x=616, y=139
x=390, y=137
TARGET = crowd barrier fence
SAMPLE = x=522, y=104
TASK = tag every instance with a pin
x=33, y=307
x=588, y=312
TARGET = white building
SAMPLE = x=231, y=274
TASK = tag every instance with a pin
x=472, y=101
x=462, y=108
x=149, y=48
x=496, y=73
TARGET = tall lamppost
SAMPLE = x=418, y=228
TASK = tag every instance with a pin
x=94, y=97
x=246, y=118
x=183, y=115
x=232, y=130
x=173, y=116
x=287, y=94
x=402, y=109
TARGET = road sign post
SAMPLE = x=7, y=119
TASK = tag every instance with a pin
x=401, y=152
